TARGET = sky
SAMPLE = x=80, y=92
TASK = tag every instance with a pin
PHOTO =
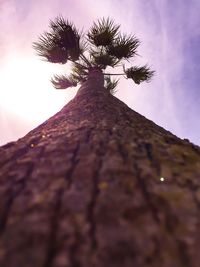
x=169, y=32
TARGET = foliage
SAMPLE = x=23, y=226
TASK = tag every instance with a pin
x=60, y=44
x=139, y=74
x=103, y=32
x=63, y=82
x=110, y=85
x=123, y=47
x=102, y=59
x=101, y=47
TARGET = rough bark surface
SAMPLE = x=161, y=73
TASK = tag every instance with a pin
x=84, y=189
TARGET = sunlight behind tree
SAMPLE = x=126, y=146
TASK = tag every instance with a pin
x=30, y=87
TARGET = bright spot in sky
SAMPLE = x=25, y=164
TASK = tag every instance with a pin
x=25, y=86
x=162, y=179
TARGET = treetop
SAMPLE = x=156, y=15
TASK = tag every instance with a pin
x=100, y=47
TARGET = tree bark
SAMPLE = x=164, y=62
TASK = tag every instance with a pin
x=99, y=185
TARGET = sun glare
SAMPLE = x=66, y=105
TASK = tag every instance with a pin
x=26, y=90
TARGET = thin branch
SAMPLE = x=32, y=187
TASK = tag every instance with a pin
x=78, y=64
x=85, y=59
x=113, y=74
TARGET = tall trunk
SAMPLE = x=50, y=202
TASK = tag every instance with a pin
x=94, y=83
x=99, y=185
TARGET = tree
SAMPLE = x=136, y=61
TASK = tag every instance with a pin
x=101, y=47
x=99, y=185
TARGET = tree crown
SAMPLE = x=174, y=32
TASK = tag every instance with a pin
x=101, y=47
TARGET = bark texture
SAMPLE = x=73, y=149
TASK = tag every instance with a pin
x=84, y=189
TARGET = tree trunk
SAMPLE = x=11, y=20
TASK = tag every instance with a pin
x=98, y=185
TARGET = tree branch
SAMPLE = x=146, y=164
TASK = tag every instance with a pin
x=77, y=63
x=85, y=59
x=113, y=74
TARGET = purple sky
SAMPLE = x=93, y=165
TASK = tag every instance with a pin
x=170, y=36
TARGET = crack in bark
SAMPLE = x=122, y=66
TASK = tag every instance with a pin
x=149, y=151
x=88, y=135
x=91, y=208
x=181, y=246
x=74, y=162
x=74, y=247
x=122, y=152
x=11, y=195
x=54, y=225
x=146, y=194
x=184, y=257
x=150, y=259
x=94, y=197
